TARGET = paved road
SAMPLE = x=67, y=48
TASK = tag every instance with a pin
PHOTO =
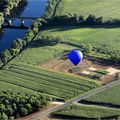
x=98, y=90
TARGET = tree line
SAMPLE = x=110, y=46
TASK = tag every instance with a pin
x=79, y=20
x=6, y=6
x=19, y=44
x=14, y=104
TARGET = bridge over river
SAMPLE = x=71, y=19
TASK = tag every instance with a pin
x=8, y=22
x=21, y=20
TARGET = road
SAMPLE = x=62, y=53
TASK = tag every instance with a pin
x=96, y=91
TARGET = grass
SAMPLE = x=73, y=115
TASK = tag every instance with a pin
x=109, y=96
x=36, y=55
x=107, y=38
x=87, y=111
x=12, y=87
x=53, y=83
x=106, y=9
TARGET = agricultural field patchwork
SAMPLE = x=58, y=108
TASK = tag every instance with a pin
x=107, y=38
x=7, y=86
x=87, y=111
x=45, y=81
x=110, y=96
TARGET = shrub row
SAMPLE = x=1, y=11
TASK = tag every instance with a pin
x=90, y=21
x=85, y=48
x=14, y=105
x=48, y=40
x=75, y=20
x=19, y=44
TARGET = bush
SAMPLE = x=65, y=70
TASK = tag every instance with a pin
x=103, y=72
x=49, y=40
x=3, y=116
x=95, y=76
x=6, y=56
x=74, y=70
x=23, y=111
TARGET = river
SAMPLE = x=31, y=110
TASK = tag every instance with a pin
x=34, y=8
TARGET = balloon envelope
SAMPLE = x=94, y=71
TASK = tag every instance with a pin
x=75, y=56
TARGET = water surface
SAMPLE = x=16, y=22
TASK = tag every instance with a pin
x=34, y=8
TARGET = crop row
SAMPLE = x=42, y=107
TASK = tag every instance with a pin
x=48, y=82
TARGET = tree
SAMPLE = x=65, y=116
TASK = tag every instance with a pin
x=88, y=48
x=3, y=116
x=91, y=20
x=2, y=107
x=15, y=44
x=81, y=20
x=115, y=57
x=24, y=43
x=23, y=111
x=1, y=63
x=6, y=56
x=13, y=52
x=9, y=111
x=28, y=107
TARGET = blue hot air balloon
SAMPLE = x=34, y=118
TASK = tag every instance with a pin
x=75, y=56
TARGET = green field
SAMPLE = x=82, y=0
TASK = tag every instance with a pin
x=107, y=38
x=109, y=96
x=106, y=8
x=37, y=55
x=7, y=86
x=53, y=83
x=87, y=111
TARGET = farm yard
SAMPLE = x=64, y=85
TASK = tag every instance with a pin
x=95, y=70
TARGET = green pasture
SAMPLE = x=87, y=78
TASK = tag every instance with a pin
x=106, y=8
x=36, y=55
x=53, y=83
x=87, y=111
x=109, y=96
x=98, y=37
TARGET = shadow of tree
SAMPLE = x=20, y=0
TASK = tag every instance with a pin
x=60, y=28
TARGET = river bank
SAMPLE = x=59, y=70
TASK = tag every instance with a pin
x=9, y=35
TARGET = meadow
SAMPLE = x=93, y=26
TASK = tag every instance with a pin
x=87, y=111
x=110, y=96
x=45, y=81
x=107, y=9
x=107, y=38
x=36, y=54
